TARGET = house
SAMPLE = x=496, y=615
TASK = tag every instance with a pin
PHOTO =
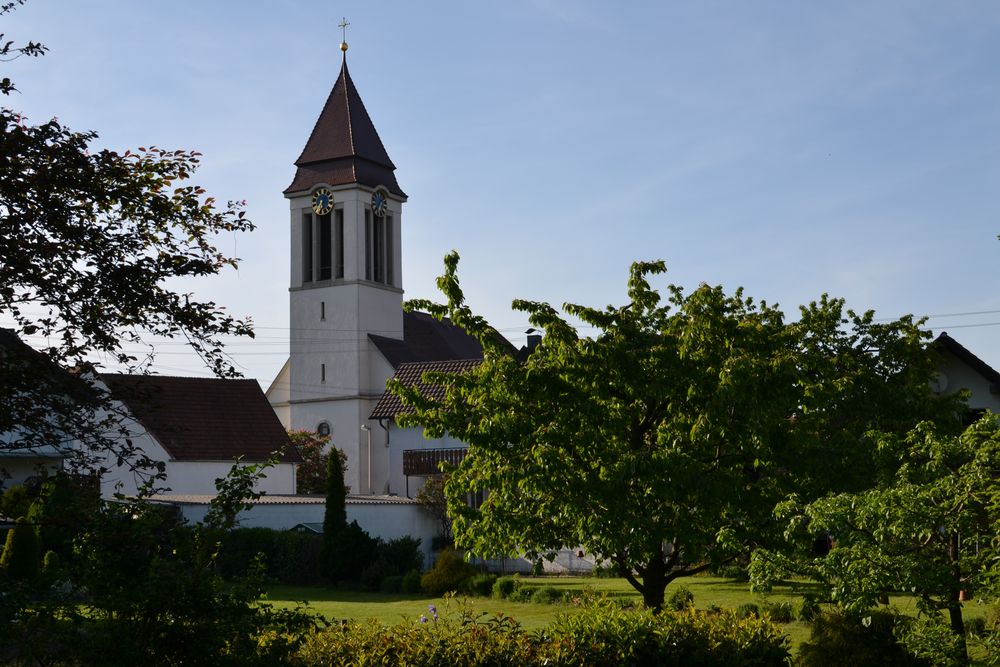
x=961, y=369
x=197, y=427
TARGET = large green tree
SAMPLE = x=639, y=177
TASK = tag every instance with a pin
x=92, y=241
x=926, y=528
x=662, y=441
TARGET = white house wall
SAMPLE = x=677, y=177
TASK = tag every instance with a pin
x=960, y=376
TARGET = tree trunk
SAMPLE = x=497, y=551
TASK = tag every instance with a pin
x=954, y=603
x=654, y=583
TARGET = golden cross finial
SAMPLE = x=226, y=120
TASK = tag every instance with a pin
x=343, y=27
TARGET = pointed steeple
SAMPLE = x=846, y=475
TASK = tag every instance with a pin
x=344, y=146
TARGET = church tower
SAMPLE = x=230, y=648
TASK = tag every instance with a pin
x=346, y=280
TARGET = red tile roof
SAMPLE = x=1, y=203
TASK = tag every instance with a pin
x=344, y=146
x=410, y=375
x=204, y=419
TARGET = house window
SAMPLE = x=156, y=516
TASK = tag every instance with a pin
x=307, y=248
x=323, y=429
x=475, y=500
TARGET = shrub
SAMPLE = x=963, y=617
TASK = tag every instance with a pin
x=371, y=578
x=808, y=608
x=521, y=594
x=392, y=584
x=736, y=572
x=747, y=610
x=21, y=552
x=448, y=574
x=289, y=557
x=780, y=612
x=411, y=582
x=604, y=571
x=837, y=638
x=599, y=635
x=402, y=554
x=545, y=595
x=680, y=599
x=504, y=586
x=480, y=584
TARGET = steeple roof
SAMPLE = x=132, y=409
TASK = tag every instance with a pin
x=344, y=146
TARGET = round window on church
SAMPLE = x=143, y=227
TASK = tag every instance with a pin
x=323, y=429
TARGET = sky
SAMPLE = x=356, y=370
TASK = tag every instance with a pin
x=792, y=148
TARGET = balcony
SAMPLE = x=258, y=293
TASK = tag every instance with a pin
x=425, y=462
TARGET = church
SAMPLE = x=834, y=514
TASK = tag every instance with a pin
x=348, y=331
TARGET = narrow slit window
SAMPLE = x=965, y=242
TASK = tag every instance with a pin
x=307, y=248
x=378, y=250
x=338, y=247
x=390, y=261
x=368, y=245
x=325, y=247
x=322, y=310
x=322, y=372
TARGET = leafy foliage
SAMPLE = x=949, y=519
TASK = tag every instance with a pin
x=596, y=636
x=310, y=477
x=450, y=572
x=664, y=440
x=21, y=552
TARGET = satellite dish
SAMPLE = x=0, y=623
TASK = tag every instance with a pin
x=939, y=383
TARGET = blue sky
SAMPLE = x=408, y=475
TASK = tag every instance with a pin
x=792, y=148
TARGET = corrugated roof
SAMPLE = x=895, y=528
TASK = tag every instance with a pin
x=411, y=375
x=427, y=339
x=204, y=419
x=344, y=146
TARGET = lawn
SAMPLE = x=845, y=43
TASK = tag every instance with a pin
x=708, y=591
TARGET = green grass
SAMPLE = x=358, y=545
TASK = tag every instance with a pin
x=726, y=593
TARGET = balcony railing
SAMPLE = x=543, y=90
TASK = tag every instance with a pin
x=423, y=462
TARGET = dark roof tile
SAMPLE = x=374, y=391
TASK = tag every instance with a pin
x=204, y=419
x=427, y=339
x=344, y=146
x=411, y=374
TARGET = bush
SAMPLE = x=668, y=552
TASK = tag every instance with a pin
x=808, y=608
x=21, y=553
x=599, y=635
x=747, y=610
x=411, y=582
x=604, y=571
x=503, y=587
x=680, y=599
x=780, y=612
x=449, y=573
x=545, y=595
x=521, y=594
x=392, y=584
x=736, y=572
x=402, y=554
x=837, y=638
x=480, y=585
x=289, y=557
x=371, y=578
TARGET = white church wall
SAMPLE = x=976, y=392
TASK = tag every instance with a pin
x=401, y=439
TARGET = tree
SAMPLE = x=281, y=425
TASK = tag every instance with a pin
x=335, y=515
x=310, y=477
x=90, y=242
x=926, y=529
x=663, y=441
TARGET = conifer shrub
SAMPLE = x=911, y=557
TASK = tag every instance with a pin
x=449, y=573
x=747, y=610
x=780, y=612
x=20, y=559
x=391, y=584
x=838, y=638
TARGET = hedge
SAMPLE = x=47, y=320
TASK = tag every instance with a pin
x=598, y=635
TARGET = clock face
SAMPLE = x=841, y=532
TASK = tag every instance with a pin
x=322, y=201
x=379, y=203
